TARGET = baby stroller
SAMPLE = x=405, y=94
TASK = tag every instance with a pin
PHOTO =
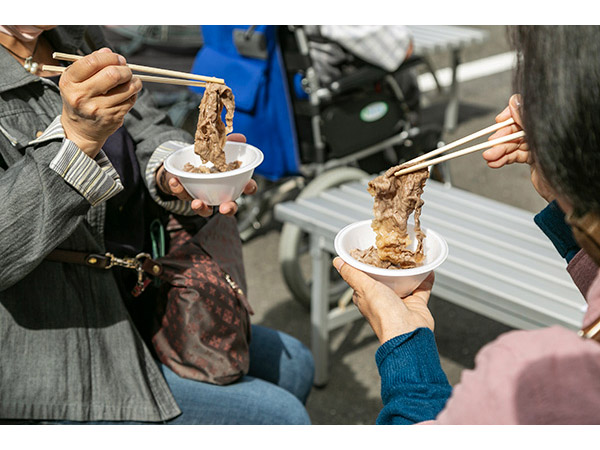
x=316, y=130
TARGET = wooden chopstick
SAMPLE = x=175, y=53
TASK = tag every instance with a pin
x=146, y=69
x=462, y=152
x=460, y=141
x=146, y=78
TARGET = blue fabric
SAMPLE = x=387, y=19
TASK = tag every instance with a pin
x=414, y=388
x=551, y=221
x=263, y=110
x=273, y=392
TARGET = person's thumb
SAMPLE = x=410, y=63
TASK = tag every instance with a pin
x=356, y=279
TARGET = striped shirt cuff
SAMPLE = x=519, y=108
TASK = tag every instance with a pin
x=95, y=179
x=53, y=131
x=175, y=206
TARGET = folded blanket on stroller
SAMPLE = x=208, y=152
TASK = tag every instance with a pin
x=385, y=46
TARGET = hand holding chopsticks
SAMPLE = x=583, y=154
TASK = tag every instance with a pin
x=425, y=161
x=178, y=78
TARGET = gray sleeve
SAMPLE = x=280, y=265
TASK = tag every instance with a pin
x=39, y=211
x=46, y=195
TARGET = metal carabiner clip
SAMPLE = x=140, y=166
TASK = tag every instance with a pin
x=129, y=263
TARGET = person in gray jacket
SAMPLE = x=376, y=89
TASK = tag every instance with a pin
x=79, y=160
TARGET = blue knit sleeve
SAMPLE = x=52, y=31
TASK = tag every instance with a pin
x=551, y=221
x=414, y=388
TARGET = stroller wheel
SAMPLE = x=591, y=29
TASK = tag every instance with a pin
x=293, y=243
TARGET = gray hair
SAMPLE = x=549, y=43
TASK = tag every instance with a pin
x=558, y=75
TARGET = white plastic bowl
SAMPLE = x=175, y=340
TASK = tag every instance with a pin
x=403, y=281
x=215, y=188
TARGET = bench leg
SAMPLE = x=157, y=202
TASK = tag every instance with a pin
x=451, y=115
x=319, y=308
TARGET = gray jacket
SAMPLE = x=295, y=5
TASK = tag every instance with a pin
x=68, y=348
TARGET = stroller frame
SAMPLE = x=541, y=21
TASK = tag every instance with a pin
x=319, y=94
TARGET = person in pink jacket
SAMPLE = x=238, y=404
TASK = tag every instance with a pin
x=544, y=376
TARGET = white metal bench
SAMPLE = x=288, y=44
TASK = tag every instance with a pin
x=430, y=39
x=500, y=264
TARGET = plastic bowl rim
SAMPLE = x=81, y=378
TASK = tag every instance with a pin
x=392, y=273
x=211, y=176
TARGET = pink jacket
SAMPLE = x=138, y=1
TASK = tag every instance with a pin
x=545, y=376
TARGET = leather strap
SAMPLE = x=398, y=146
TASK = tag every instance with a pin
x=152, y=267
x=99, y=261
x=95, y=260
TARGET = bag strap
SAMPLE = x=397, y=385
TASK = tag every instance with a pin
x=142, y=262
x=95, y=260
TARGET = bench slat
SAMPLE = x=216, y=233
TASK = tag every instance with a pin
x=449, y=33
x=296, y=214
x=489, y=206
x=550, y=269
x=498, y=294
x=492, y=306
x=440, y=38
x=502, y=231
x=511, y=276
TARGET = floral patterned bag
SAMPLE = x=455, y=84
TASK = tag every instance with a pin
x=202, y=326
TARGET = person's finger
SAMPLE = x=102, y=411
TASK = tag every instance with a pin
x=201, y=208
x=509, y=158
x=498, y=156
x=357, y=280
x=115, y=110
x=504, y=131
x=423, y=291
x=119, y=111
x=418, y=301
x=530, y=159
x=520, y=157
x=515, y=108
x=121, y=93
x=236, y=137
x=250, y=188
x=228, y=208
x=85, y=68
x=107, y=79
x=178, y=190
x=498, y=151
x=497, y=163
x=504, y=115
x=509, y=152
